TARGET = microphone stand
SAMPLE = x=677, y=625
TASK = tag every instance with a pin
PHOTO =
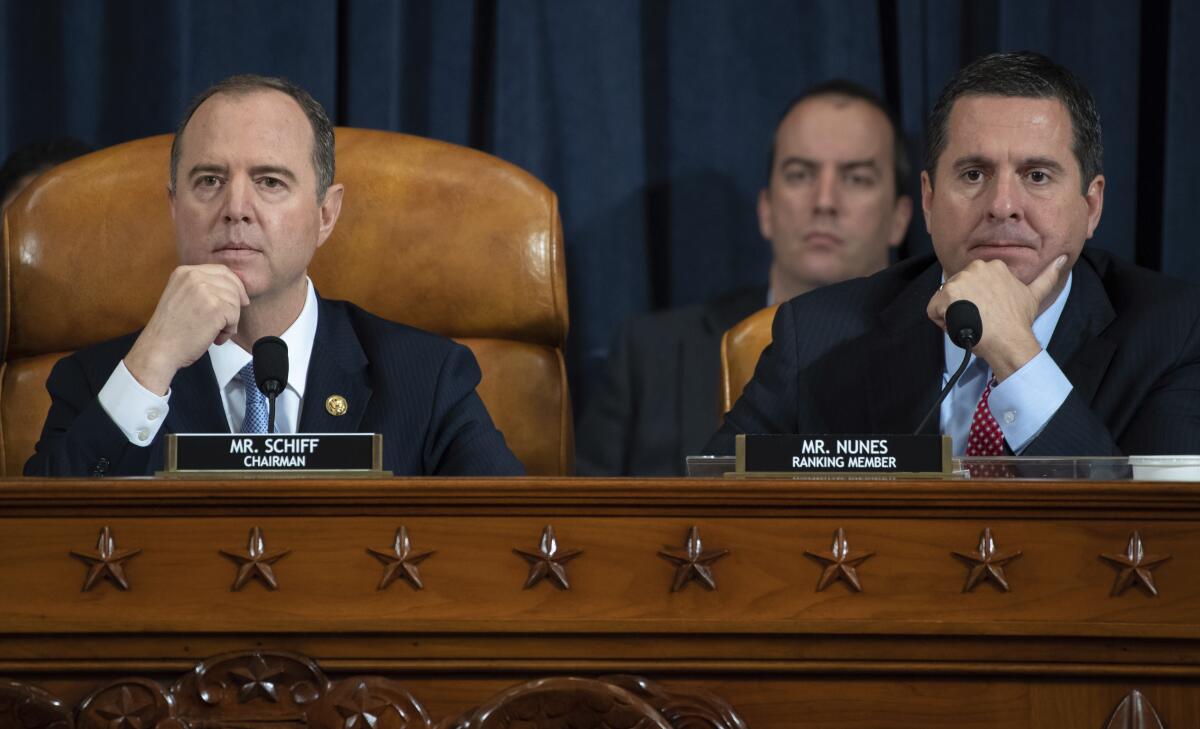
x=945, y=390
x=271, y=412
x=271, y=389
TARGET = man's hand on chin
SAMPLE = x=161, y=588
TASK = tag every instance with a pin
x=200, y=306
x=1007, y=306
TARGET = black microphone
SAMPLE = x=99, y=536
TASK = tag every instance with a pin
x=965, y=327
x=963, y=324
x=271, y=372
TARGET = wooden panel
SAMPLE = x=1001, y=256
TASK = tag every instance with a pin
x=181, y=581
x=911, y=649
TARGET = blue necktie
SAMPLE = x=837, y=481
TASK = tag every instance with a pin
x=256, y=402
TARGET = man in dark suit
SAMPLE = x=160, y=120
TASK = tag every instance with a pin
x=1080, y=355
x=252, y=197
x=833, y=207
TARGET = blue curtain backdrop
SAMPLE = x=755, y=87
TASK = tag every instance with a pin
x=649, y=119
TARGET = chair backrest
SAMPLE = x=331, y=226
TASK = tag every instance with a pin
x=741, y=346
x=441, y=237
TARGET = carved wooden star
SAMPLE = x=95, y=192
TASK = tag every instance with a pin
x=840, y=563
x=986, y=563
x=108, y=562
x=548, y=561
x=355, y=711
x=401, y=561
x=692, y=562
x=257, y=679
x=256, y=563
x=123, y=711
x=1135, y=567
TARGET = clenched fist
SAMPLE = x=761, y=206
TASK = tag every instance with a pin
x=201, y=305
x=1007, y=306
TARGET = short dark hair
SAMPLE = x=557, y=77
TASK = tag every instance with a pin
x=322, y=154
x=850, y=90
x=1024, y=74
x=38, y=157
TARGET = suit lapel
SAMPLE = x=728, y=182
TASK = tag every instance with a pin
x=1076, y=345
x=338, y=366
x=904, y=359
x=196, y=402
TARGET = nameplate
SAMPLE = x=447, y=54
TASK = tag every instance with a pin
x=259, y=453
x=900, y=455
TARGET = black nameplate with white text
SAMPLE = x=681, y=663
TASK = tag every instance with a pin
x=815, y=454
x=260, y=452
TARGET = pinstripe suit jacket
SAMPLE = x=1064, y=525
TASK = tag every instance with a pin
x=863, y=357
x=416, y=388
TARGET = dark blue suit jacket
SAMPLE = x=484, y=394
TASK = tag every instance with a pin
x=863, y=357
x=416, y=388
x=658, y=402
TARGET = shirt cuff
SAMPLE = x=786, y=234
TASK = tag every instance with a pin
x=1025, y=402
x=138, y=412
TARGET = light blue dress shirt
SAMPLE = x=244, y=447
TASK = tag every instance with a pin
x=1023, y=403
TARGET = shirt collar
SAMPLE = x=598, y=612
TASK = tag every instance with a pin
x=229, y=358
x=1043, y=329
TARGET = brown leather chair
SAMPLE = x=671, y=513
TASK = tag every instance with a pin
x=741, y=346
x=441, y=237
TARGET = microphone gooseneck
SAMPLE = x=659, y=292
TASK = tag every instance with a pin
x=270, y=372
x=965, y=327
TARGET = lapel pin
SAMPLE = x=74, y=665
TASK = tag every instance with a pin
x=336, y=405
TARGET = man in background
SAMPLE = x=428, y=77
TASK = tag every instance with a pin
x=833, y=208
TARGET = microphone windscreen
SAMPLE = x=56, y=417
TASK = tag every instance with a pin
x=963, y=323
x=271, y=364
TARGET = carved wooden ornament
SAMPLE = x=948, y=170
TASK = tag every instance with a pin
x=1134, y=712
x=1135, y=567
x=107, y=563
x=563, y=703
x=696, y=709
x=268, y=688
x=986, y=563
x=272, y=689
x=692, y=562
x=29, y=707
x=369, y=702
x=840, y=563
x=401, y=561
x=548, y=561
x=256, y=563
x=131, y=703
x=258, y=680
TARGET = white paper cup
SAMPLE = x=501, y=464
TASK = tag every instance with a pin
x=1165, y=468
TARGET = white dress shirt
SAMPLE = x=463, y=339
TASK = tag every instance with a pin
x=139, y=413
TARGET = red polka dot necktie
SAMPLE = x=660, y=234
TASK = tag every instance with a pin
x=985, y=437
